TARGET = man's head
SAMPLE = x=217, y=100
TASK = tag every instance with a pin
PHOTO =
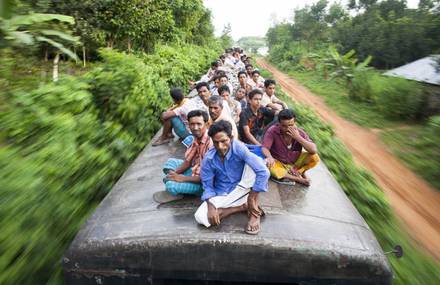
x=177, y=95
x=242, y=77
x=203, y=91
x=198, y=122
x=255, y=75
x=215, y=105
x=223, y=79
x=214, y=65
x=224, y=92
x=249, y=68
x=269, y=85
x=286, y=118
x=255, y=98
x=240, y=93
x=221, y=135
x=236, y=54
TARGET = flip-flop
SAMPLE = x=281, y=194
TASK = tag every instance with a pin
x=255, y=232
x=283, y=181
x=162, y=197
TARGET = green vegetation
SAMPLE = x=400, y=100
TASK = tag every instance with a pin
x=418, y=147
x=367, y=197
x=64, y=144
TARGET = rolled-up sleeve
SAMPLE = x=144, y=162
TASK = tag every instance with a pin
x=258, y=166
x=207, y=176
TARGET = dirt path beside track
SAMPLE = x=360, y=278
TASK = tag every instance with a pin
x=414, y=201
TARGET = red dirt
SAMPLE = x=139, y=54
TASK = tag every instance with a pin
x=415, y=202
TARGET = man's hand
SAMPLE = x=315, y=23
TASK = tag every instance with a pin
x=270, y=161
x=173, y=176
x=294, y=133
x=213, y=216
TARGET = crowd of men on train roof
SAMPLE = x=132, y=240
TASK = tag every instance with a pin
x=238, y=134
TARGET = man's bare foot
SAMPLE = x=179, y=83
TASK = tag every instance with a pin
x=225, y=212
x=302, y=180
x=253, y=225
x=161, y=141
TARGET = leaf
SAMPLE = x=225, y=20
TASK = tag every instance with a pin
x=20, y=37
x=61, y=35
x=23, y=20
x=58, y=46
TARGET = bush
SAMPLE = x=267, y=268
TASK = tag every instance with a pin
x=63, y=145
x=366, y=86
x=400, y=98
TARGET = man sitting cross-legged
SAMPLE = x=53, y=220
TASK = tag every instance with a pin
x=183, y=176
x=282, y=146
x=232, y=178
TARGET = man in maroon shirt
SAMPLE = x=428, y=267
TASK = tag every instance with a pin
x=282, y=146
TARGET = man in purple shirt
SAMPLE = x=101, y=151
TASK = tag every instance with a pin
x=282, y=146
x=232, y=178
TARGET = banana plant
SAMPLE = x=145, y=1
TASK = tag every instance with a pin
x=344, y=66
x=31, y=29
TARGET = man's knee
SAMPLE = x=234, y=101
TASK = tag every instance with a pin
x=201, y=215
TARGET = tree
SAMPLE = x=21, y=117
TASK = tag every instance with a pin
x=36, y=28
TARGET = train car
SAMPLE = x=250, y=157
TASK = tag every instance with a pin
x=310, y=235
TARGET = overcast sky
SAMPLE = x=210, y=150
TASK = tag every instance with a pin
x=254, y=17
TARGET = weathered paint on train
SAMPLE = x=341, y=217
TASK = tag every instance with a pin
x=309, y=236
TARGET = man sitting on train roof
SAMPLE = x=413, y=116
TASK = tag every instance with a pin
x=217, y=113
x=234, y=105
x=282, y=146
x=232, y=177
x=256, y=80
x=220, y=80
x=180, y=124
x=269, y=99
x=174, y=119
x=183, y=176
x=251, y=124
x=242, y=81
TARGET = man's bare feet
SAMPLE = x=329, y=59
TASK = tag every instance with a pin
x=161, y=141
x=299, y=177
x=253, y=225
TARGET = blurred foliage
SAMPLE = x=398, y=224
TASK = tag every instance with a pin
x=64, y=144
x=367, y=197
x=176, y=64
x=418, y=146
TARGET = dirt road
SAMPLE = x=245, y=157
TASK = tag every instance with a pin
x=415, y=202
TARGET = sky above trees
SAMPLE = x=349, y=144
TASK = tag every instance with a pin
x=253, y=18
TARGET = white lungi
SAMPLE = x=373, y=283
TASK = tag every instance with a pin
x=236, y=197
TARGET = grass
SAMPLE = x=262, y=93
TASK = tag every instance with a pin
x=408, y=144
x=335, y=96
x=415, y=267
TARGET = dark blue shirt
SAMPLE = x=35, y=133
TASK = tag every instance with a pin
x=221, y=177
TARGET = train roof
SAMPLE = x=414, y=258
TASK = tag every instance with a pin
x=309, y=235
